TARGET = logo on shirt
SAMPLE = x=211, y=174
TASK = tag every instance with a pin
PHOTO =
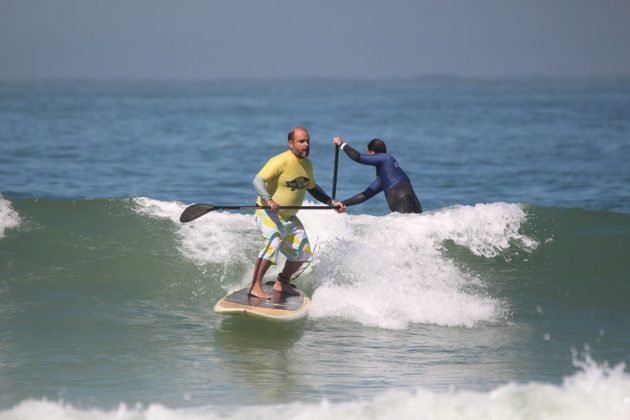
x=298, y=183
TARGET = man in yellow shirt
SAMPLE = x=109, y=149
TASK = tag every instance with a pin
x=283, y=181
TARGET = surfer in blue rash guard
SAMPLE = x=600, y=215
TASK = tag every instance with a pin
x=390, y=178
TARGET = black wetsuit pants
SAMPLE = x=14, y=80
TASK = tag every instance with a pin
x=403, y=199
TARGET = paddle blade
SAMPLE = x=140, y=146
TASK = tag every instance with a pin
x=194, y=212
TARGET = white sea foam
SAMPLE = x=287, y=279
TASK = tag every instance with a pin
x=218, y=237
x=222, y=238
x=9, y=218
x=391, y=270
x=593, y=392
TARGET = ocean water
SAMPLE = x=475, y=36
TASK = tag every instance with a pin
x=507, y=298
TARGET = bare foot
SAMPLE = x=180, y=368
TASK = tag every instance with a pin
x=258, y=292
x=285, y=288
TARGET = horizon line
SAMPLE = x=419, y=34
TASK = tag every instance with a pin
x=419, y=77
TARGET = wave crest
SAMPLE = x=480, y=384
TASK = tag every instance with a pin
x=596, y=391
x=9, y=218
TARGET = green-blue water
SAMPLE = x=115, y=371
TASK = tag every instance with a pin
x=507, y=298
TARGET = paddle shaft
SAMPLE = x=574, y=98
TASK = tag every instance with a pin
x=268, y=207
x=195, y=211
x=334, y=188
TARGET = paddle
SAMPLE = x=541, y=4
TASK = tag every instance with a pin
x=195, y=211
x=334, y=188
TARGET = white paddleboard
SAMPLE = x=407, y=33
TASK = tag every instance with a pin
x=281, y=307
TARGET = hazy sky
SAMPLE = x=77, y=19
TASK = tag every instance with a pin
x=184, y=39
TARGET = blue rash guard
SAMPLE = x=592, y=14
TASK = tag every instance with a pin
x=388, y=172
x=390, y=178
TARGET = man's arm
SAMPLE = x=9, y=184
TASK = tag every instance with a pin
x=356, y=199
x=358, y=157
x=352, y=154
x=370, y=192
x=261, y=189
x=321, y=196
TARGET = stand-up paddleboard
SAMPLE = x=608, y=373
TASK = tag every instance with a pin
x=281, y=307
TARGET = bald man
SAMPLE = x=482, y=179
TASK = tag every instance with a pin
x=283, y=181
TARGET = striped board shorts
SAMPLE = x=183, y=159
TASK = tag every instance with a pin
x=286, y=236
